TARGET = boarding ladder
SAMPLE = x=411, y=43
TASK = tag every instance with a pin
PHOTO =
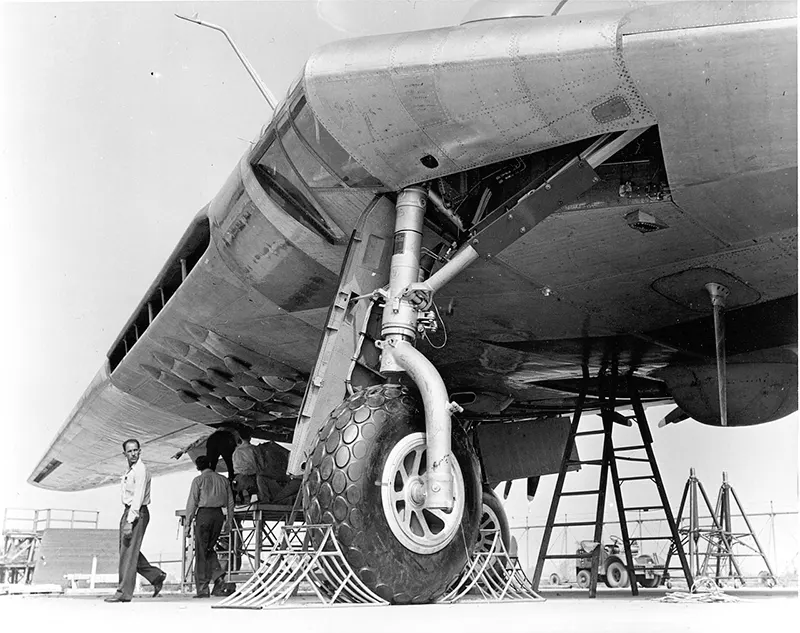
x=641, y=454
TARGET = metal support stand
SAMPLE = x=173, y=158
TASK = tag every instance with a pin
x=256, y=528
x=609, y=463
x=492, y=576
x=307, y=562
x=720, y=561
x=308, y=555
x=692, y=533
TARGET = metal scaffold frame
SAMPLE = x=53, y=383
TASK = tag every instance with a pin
x=720, y=561
x=307, y=560
x=492, y=576
x=256, y=529
x=22, y=535
x=308, y=555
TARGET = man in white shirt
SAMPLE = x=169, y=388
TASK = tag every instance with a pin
x=132, y=525
x=245, y=465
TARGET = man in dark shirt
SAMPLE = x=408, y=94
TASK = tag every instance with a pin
x=209, y=493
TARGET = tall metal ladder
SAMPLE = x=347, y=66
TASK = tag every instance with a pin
x=608, y=463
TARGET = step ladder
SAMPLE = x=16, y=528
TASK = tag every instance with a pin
x=610, y=461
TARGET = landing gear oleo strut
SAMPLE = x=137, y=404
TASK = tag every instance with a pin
x=400, y=483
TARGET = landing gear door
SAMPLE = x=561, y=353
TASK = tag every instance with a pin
x=351, y=327
x=518, y=450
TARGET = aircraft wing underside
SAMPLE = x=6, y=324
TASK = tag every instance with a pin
x=239, y=325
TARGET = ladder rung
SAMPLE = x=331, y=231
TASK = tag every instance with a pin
x=589, y=462
x=628, y=448
x=636, y=478
x=569, y=556
x=632, y=508
x=652, y=538
x=575, y=493
x=632, y=459
x=574, y=523
x=582, y=433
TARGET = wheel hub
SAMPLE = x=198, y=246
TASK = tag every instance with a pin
x=489, y=529
x=416, y=493
x=420, y=529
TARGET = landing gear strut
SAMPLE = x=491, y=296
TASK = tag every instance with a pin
x=401, y=485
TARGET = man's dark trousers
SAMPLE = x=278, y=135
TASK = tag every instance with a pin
x=207, y=528
x=131, y=559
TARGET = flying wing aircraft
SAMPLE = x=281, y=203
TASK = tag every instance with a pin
x=447, y=230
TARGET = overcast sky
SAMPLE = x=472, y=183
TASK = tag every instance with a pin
x=119, y=122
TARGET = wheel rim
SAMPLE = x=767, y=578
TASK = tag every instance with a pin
x=418, y=528
x=490, y=526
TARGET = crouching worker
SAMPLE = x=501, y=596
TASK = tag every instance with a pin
x=274, y=485
x=209, y=494
x=245, y=465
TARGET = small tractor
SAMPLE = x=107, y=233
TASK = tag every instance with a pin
x=612, y=570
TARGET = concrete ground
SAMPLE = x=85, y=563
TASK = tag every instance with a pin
x=563, y=610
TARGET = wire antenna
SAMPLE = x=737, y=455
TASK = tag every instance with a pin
x=268, y=96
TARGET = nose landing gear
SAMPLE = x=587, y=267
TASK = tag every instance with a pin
x=366, y=477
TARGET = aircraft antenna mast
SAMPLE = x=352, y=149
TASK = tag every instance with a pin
x=268, y=96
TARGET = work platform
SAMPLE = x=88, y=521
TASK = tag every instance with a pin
x=40, y=546
x=256, y=529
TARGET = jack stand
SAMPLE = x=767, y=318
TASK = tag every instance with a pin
x=691, y=535
x=721, y=545
x=719, y=535
x=495, y=575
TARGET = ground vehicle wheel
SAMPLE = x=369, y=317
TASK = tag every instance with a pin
x=648, y=583
x=555, y=579
x=584, y=578
x=616, y=575
x=766, y=579
x=493, y=520
x=399, y=549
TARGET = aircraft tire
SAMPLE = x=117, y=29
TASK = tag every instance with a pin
x=493, y=520
x=616, y=575
x=372, y=433
x=648, y=583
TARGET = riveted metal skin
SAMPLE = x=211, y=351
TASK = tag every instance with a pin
x=473, y=94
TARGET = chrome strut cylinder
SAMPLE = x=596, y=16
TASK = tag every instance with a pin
x=399, y=330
